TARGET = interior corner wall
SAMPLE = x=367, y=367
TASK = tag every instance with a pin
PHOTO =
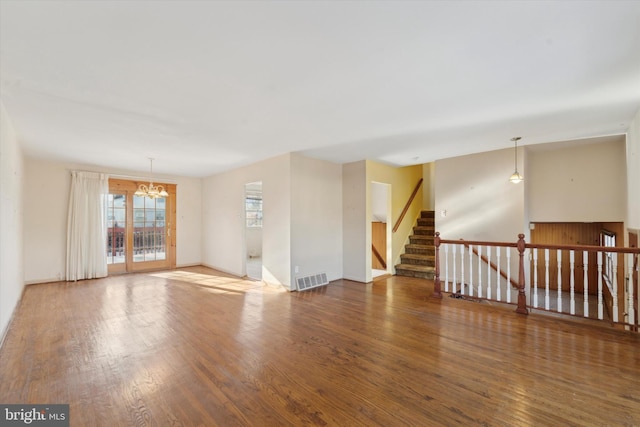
x=11, y=222
x=223, y=222
x=428, y=186
x=355, y=223
x=316, y=217
x=633, y=173
x=46, y=203
x=578, y=181
x=403, y=181
x=476, y=198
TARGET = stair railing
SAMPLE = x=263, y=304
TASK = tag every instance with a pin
x=407, y=205
x=493, y=266
x=466, y=273
x=379, y=257
x=556, y=276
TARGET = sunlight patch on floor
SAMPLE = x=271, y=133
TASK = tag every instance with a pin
x=218, y=283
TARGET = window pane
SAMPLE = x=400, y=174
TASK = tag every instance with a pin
x=116, y=226
x=119, y=215
x=119, y=200
x=138, y=201
x=149, y=243
x=138, y=214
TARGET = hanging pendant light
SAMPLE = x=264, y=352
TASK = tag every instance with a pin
x=516, y=177
x=151, y=191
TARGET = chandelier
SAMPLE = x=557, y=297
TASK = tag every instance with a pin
x=516, y=177
x=151, y=191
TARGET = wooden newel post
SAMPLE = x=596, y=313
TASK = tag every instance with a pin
x=522, y=296
x=437, y=292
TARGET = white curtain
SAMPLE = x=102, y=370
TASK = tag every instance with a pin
x=86, y=226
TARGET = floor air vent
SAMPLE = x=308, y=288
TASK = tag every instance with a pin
x=313, y=281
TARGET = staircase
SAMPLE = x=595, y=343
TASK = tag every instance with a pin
x=418, y=259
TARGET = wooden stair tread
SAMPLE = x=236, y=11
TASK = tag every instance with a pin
x=418, y=256
x=414, y=267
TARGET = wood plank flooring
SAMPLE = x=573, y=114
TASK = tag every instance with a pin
x=195, y=347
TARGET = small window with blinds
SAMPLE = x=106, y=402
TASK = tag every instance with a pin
x=253, y=208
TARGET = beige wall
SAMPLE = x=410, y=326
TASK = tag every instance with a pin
x=578, y=181
x=47, y=186
x=428, y=186
x=479, y=200
x=583, y=181
x=316, y=217
x=356, y=264
x=11, y=222
x=633, y=173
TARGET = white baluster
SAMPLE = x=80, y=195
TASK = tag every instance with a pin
x=455, y=261
x=559, y=262
x=470, y=292
x=600, y=305
x=508, y=286
x=572, y=281
x=585, y=282
x=498, y=277
x=446, y=267
x=546, y=277
x=479, y=271
x=462, y=269
x=614, y=283
x=535, y=278
x=631, y=310
x=488, y=272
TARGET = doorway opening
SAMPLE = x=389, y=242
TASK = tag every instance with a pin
x=381, y=243
x=253, y=229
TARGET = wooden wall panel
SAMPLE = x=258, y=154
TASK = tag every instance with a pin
x=379, y=241
x=572, y=234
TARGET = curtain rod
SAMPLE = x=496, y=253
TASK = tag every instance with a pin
x=158, y=180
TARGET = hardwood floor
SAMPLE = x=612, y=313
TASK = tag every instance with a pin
x=195, y=347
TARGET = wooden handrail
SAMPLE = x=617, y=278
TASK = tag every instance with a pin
x=379, y=257
x=406, y=207
x=588, y=248
x=480, y=243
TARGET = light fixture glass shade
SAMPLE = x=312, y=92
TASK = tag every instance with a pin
x=516, y=178
x=151, y=191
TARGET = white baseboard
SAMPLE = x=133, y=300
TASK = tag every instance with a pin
x=42, y=281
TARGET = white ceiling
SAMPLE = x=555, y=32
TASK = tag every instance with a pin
x=206, y=86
